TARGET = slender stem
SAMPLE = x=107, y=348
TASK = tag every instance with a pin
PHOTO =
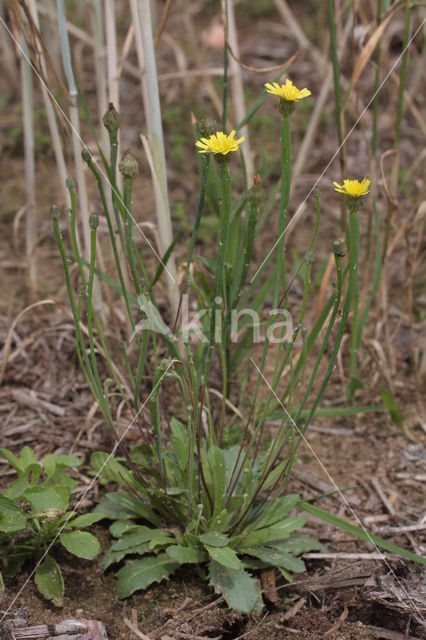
x=353, y=237
x=338, y=101
x=225, y=186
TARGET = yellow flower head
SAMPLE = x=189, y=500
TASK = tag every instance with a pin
x=353, y=188
x=219, y=143
x=287, y=91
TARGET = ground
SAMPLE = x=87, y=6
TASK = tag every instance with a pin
x=45, y=403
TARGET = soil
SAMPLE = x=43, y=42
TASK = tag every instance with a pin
x=380, y=467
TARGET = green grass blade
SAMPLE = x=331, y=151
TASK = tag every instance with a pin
x=359, y=533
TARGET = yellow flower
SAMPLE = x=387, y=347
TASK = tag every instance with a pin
x=288, y=91
x=353, y=188
x=219, y=143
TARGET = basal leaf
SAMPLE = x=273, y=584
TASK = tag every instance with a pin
x=277, y=531
x=49, y=581
x=218, y=473
x=186, y=555
x=300, y=544
x=120, y=506
x=224, y=556
x=12, y=522
x=41, y=498
x=27, y=458
x=180, y=442
x=12, y=460
x=7, y=507
x=136, y=535
x=111, y=556
x=81, y=544
x=120, y=527
x=86, y=520
x=277, y=558
x=238, y=588
x=214, y=539
x=139, y=574
x=276, y=510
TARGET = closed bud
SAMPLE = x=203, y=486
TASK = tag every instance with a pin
x=256, y=193
x=310, y=257
x=86, y=155
x=128, y=167
x=316, y=193
x=55, y=212
x=112, y=120
x=94, y=221
x=338, y=248
x=70, y=184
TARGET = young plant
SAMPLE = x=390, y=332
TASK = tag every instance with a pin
x=35, y=517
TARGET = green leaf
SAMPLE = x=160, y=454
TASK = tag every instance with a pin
x=277, y=558
x=214, y=539
x=13, y=522
x=12, y=460
x=278, y=531
x=120, y=527
x=49, y=581
x=356, y=531
x=276, y=510
x=81, y=544
x=395, y=412
x=27, y=458
x=111, y=556
x=7, y=507
x=218, y=472
x=135, y=536
x=160, y=540
x=225, y=556
x=1, y=584
x=86, y=520
x=139, y=574
x=41, y=498
x=238, y=588
x=180, y=442
x=119, y=506
x=51, y=462
x=110, y=470
x=186, y=555
x=300, y=544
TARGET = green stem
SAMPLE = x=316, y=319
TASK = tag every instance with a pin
x=353, y=238
x=225, y=186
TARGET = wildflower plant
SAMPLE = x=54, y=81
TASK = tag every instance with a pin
x=35, y=516
x=186, y=496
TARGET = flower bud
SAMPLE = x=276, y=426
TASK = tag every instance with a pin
x=128, y=166
x=70, y=184
x=256, y=193
x=94, y=221
x=338, y=248
x=112, y=120
x=55, y=212
x=86, y=155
